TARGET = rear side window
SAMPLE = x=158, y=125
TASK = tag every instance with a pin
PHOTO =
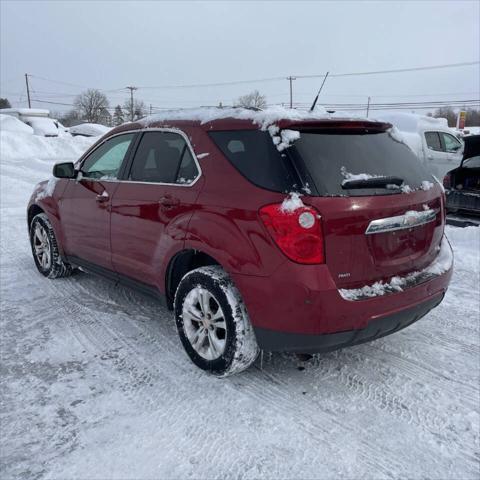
x=163, y=157
x=433, y=141
x=254, y=155
x=327, y=157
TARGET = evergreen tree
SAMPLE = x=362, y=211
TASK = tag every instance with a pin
x=118, y=117
x=4, y=103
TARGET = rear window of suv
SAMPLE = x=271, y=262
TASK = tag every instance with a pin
x=326, y=155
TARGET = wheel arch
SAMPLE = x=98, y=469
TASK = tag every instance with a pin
x=179, y=265
x=33, y=210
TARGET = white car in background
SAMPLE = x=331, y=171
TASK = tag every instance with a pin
x=89, y=130
x=436, y=145
x=36, y=118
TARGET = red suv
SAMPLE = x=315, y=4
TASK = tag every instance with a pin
x=283, y=234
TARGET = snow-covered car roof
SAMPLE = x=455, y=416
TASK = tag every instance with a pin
x=31, y=112
x=42, y=125
x=89, y=129
x=412, y=122
x=214, y=118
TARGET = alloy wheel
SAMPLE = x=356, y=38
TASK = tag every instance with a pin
x=204, y=323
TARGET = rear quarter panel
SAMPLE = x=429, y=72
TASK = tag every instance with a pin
x=225, y=224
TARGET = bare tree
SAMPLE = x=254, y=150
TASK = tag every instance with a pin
x=139, y=109
x=448, y=113
x=252, y=100
x=92, y=105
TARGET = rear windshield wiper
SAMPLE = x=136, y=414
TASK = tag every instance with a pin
x=373, y=182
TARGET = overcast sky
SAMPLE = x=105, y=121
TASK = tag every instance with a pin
x=109, y=45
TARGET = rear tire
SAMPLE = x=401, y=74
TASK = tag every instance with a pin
x=213, y=323
x=45, y=249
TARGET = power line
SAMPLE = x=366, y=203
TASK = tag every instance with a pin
x=321, y=75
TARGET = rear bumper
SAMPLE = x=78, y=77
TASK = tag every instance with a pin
x=273, y=341
x=299, y=307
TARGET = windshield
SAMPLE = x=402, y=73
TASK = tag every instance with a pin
x=336, y=161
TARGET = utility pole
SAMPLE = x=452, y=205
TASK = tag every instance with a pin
x=28, y=91
x=150, y=109
x=131, y=101
x=290, y=79
x=368, y=106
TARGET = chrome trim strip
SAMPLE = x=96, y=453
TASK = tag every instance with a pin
x=128, y=132
x=410, y=219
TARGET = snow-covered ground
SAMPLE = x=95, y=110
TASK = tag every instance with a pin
x=95, y=384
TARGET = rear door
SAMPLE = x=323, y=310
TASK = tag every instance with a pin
x=153, y=204
x=85, y=205
x=361, y=242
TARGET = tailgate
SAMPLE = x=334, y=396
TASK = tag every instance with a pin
x=368, y=239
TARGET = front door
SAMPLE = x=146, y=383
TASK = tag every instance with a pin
x=442, y=153
x=86, y=203
x=152, y=207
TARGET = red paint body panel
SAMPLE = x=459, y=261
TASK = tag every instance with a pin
x=144, y=232
x=134, y=235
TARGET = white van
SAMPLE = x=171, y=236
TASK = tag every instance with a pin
x=435, y=144
x=36, y=118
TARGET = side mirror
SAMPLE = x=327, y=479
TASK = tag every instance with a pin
x=64, y=170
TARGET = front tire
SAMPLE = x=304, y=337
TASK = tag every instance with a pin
x=45, y=249
x=213, y=323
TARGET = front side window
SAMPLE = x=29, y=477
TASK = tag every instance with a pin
x=433, y=141
x=106, y=160
x=451, y=143
x=163, y=157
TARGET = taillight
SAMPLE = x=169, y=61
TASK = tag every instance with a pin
x=298, y=234
x=447, y=181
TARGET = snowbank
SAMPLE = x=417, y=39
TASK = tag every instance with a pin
x=8, y=123
x=24, y=145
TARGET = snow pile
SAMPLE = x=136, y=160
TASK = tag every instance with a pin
x=24, y=145
x=282, y=139
x=263, y=118
x=442, y=263
x=291, y=203
x=411, y=122
x=8, y=123
x=411, y=139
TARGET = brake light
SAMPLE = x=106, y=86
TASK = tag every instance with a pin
x=298, y=234
x=447, y=181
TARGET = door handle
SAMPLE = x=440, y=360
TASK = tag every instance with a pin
x=168, y=201
x=104, y=197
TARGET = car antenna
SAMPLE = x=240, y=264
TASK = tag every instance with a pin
x=316, y=98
